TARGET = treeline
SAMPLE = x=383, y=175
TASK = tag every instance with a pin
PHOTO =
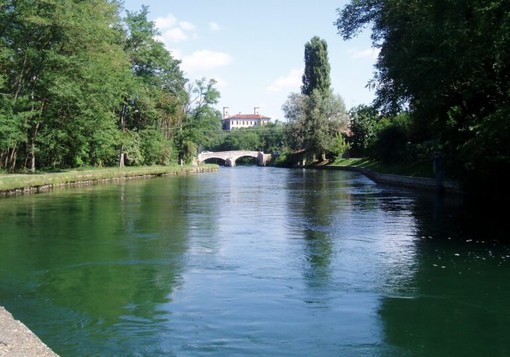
x=442, y=86
x=82, y=85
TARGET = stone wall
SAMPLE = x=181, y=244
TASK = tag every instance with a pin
x=423, y=183
x=16, y=340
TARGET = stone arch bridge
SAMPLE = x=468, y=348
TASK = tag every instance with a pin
x=230, y=157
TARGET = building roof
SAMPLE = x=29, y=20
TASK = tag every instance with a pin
x=247, y=117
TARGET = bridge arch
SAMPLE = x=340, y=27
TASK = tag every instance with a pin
x=230, y=157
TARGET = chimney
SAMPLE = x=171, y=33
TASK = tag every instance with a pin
x=256, y=110
x=226, y=114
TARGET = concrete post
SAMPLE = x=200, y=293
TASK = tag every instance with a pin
x=230, y=162
x=261, y=159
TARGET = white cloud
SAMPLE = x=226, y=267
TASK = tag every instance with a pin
x=176, y=53
x=174, y=31
x=289, y=82
x=174, y=35
x=213, y=26
x=370, y=53
x=204, y=60
x=187, y=26
x=166, y=22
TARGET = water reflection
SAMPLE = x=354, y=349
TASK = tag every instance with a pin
x=309, y=205
x=109, y=262
x=255, y=261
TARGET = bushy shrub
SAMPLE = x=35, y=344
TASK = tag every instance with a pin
x=390, y=145
x=155, y=148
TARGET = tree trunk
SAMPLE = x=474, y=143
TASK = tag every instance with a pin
x=122, y=119
x=121, y=156
x=14, y=155
x=33, y=136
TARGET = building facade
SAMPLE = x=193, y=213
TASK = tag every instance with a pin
x=237, y=121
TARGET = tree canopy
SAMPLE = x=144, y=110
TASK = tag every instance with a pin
x=448, y=63
x=80, y=85
x=317, y=69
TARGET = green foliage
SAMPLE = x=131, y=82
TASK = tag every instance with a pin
x=79, y=83
x=294, y=112
x=269, y=138
x=242, y=139
x=316, y=116
x=314, y=121
x=339, y=147
x=189, y=151
x=390, y=144
x=155, y=148
x=131, y=143
x=362, y=129
x=489, y=152
x=318, y=138
x=64, y=69
x=447, y=63
x=103, y=145
x=201, y=124
x=12, y=131
x=272, y=137
x=317, y=69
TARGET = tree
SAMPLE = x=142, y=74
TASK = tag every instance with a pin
x=315, y=116
x=62, y=70
x=321, y=114
x=325, y=118
x=314, y=121
x=243, y=139
x=317, y=69
x=294, y=112
x=363, y=120
x=272, y=137
x=448, y=63
x=155, y=99
x=202, y=123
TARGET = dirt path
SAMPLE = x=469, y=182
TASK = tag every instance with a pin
x=16, y=340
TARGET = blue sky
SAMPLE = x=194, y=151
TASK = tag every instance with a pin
x=255, y=49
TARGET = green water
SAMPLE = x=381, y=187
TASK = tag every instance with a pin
x=253, y=261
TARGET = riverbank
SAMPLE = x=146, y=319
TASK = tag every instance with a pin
x=416, y=176
x=16, y=340
x=421, y=183
x=14, y=184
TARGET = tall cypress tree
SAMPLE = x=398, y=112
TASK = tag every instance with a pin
x=323, y=114
x=317, y=68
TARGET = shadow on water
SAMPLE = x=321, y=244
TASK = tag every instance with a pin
x=455, y=304
x=445, y=277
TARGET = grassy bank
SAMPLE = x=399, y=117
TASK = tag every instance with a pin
x=412, y=170
x=19, y=183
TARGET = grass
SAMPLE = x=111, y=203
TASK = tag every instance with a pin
x=418, y=169
x=26, y=182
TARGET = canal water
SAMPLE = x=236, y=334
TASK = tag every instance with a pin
x=257, y=261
